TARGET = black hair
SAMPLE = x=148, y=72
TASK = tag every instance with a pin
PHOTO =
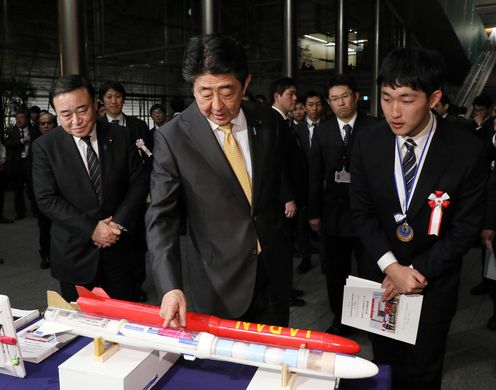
x=35, y=109
x=214, y=54
x=342, y=79
x=483, y=100
x=157, y=106
x=280, y=85
x=310, y=94
x=177, y=103
x=70, y=83
x=111, y=85
x=417, y=68
x=445, y=99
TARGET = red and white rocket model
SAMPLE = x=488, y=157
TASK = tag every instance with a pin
x=98, y=302
x=121, y=323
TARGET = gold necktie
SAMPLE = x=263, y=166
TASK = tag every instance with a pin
x=236, y=160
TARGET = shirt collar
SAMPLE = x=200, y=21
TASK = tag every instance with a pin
x=310, y=123
x=92, y=135
x=421, y=137
x=280, y=112
x=238, y=122
x=120, y=118
x=351, y=122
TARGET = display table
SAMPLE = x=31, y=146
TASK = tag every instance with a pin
x=184, y=375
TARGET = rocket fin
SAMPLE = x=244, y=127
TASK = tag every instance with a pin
x=100, y=292
x=55, y=300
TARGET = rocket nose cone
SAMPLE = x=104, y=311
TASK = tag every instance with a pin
x=353, y=367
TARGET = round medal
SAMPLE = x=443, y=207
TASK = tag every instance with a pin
x=404, y=232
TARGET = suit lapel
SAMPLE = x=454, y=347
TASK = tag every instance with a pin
x=202, y=136
x=75, y=162
x=105, y=155
x=255, y=136
x=437, y=157
x=384, y=150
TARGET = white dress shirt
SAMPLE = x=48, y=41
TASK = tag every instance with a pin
x=240, y=133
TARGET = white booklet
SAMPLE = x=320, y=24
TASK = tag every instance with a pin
x=397, y=318
x=23, y=317
x=35, y=348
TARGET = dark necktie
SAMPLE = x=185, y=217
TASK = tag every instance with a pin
x=93, y=168
x=409, y=164
x=347, y=134
x=116, y=121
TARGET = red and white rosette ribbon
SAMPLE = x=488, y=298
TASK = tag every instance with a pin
x=437, y=202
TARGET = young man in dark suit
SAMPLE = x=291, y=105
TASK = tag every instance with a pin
x=329, y=182
x=113, y=96
x=88, y=179
x=417, y=200
x=221, y=158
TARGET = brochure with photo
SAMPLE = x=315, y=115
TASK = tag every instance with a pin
x=363, y=308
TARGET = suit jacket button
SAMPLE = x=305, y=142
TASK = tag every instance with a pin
x=254, y=252
x=255, y=218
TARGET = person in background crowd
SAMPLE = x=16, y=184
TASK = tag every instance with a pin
x=46, y=122
x=100, y=110
x=90, y=182
x=401, y=170
x=283, y=93
x=304, y=131
x=177, y=105
x=34, y=113
x=17, y=143
x=329, y=185
x=3, y=183
x=442, y=108
x=113, y=96
x=298, y=114
x=222, y=159
x=487, y=235
x=159, y=117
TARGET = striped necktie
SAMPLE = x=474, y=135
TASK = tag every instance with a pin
x=409, y=164
x=93, y=168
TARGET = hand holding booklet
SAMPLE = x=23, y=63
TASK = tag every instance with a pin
x=363, y=308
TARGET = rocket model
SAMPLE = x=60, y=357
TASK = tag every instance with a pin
x=98, y=302
x=192, y=344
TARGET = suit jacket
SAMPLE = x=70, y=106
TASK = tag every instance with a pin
x=454, y=164
x=189, y=163
x=64, y=193
x=15, y=148
x=328, y=200
x=295, y=170
x=303, y=134
x=138, y=130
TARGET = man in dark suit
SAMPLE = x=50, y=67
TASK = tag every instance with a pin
x=113, y=95
x=312, y=103
x=221, y=158
x=89, y=181
x=417, y=200
x=329, y=182
x=17, y=142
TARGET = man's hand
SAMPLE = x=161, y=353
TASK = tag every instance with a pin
x=315, y=224
x=173, y=309
x=487, y=237
x=105, y=235
x=402, y=280
x=290, y=209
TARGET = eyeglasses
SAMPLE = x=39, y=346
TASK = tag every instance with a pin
x=344, y=96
